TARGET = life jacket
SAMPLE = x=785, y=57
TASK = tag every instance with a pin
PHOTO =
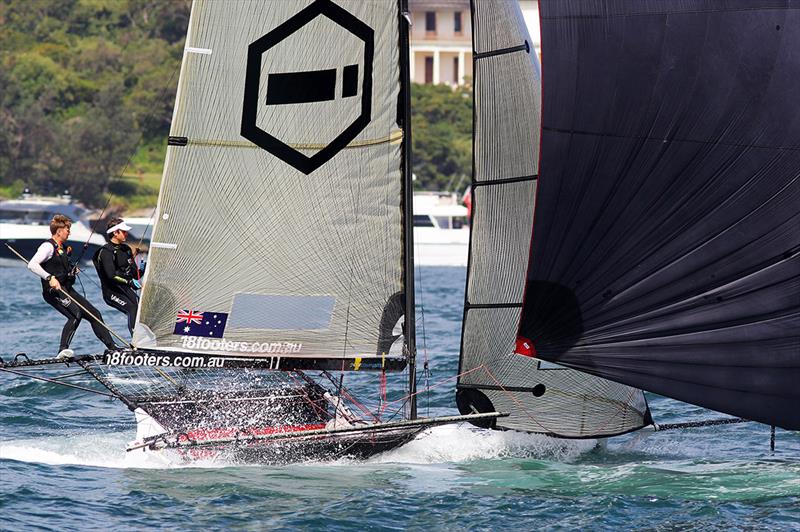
x=59, y=266
x=122, y=259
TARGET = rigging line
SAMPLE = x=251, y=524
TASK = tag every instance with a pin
x=131, y=405
x=425, y=365
x=703, y=423
x=58, y=382
x=141, y=239
x=70, y=375
x=94, y=225
x=442, y=382
x=307, y=397
x=351, y=397
x=128, y=162
x=101, y=322
x=514, y=399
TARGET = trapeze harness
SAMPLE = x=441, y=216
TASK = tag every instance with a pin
x=60, y=267
x=115, y=266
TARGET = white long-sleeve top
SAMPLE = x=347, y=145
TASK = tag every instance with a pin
x=43, y=254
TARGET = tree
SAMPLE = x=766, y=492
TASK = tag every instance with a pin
x=441, y=136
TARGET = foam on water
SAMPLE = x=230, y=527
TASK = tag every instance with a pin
x=464, y=443
x=447, y=444
x=92, y=449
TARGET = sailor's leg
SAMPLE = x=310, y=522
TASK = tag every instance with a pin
x=97, y=324
x=132, y=309
x=70, y=310
x=124, y=300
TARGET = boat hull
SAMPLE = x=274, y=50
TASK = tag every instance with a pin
x=327, y=448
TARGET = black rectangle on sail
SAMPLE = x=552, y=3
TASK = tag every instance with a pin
x=301, y=87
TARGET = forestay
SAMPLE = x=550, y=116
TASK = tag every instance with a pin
x=545, y=399
x=279, y=222
x=665, y=247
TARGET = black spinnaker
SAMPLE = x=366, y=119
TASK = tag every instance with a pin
x=667, y=227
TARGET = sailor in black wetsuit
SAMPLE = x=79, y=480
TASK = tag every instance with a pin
x=51, y=262
x=119, y=275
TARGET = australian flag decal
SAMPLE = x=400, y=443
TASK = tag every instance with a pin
x=197, y=323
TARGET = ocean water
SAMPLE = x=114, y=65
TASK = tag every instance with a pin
x=63, y=464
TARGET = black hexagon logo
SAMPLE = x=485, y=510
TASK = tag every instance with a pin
x=307, y=87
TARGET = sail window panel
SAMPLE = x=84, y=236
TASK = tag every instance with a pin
x=507, y=114
x=501, y=232
x=255, y=311
x=497, y=25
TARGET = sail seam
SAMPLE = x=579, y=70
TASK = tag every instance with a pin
x=662, y=139
x=526, y=47
x=665, y=13
x=506, y=180
x=395, y=136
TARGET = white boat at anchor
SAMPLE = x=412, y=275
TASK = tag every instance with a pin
x=25, y=224
x=441, y=230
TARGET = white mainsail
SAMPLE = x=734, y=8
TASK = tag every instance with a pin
x=279, y=223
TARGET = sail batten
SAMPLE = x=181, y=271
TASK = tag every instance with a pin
x=665, y=245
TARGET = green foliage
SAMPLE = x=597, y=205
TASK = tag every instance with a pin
x=87, y=89
x=441, y=136
x=83, y=84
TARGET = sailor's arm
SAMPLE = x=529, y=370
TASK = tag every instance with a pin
x=43, y=254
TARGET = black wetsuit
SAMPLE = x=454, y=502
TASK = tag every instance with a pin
x=61, y=268
x=116, y=268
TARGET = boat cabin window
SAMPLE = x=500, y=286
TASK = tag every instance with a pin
x=25, y=217
x=422, y=220
x=443, y=222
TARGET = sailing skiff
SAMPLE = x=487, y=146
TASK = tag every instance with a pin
x=634, y=227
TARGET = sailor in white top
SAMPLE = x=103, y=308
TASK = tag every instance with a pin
x=52, y=264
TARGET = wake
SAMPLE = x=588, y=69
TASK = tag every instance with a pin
x=438, y=445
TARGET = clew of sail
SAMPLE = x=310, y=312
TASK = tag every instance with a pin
x=279, y=227
x=665, y=246
x=545, y=399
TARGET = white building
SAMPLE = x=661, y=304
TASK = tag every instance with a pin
x=441, y=38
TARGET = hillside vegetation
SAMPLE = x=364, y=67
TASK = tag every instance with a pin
x=87, y=89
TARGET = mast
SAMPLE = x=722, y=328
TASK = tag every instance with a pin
x=404, y=115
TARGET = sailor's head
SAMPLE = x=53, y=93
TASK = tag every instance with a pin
x=60, y=226
x=117, y=229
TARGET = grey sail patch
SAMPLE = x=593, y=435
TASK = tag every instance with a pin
x=279, y=312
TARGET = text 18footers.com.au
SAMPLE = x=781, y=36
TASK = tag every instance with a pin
x=194, y=342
